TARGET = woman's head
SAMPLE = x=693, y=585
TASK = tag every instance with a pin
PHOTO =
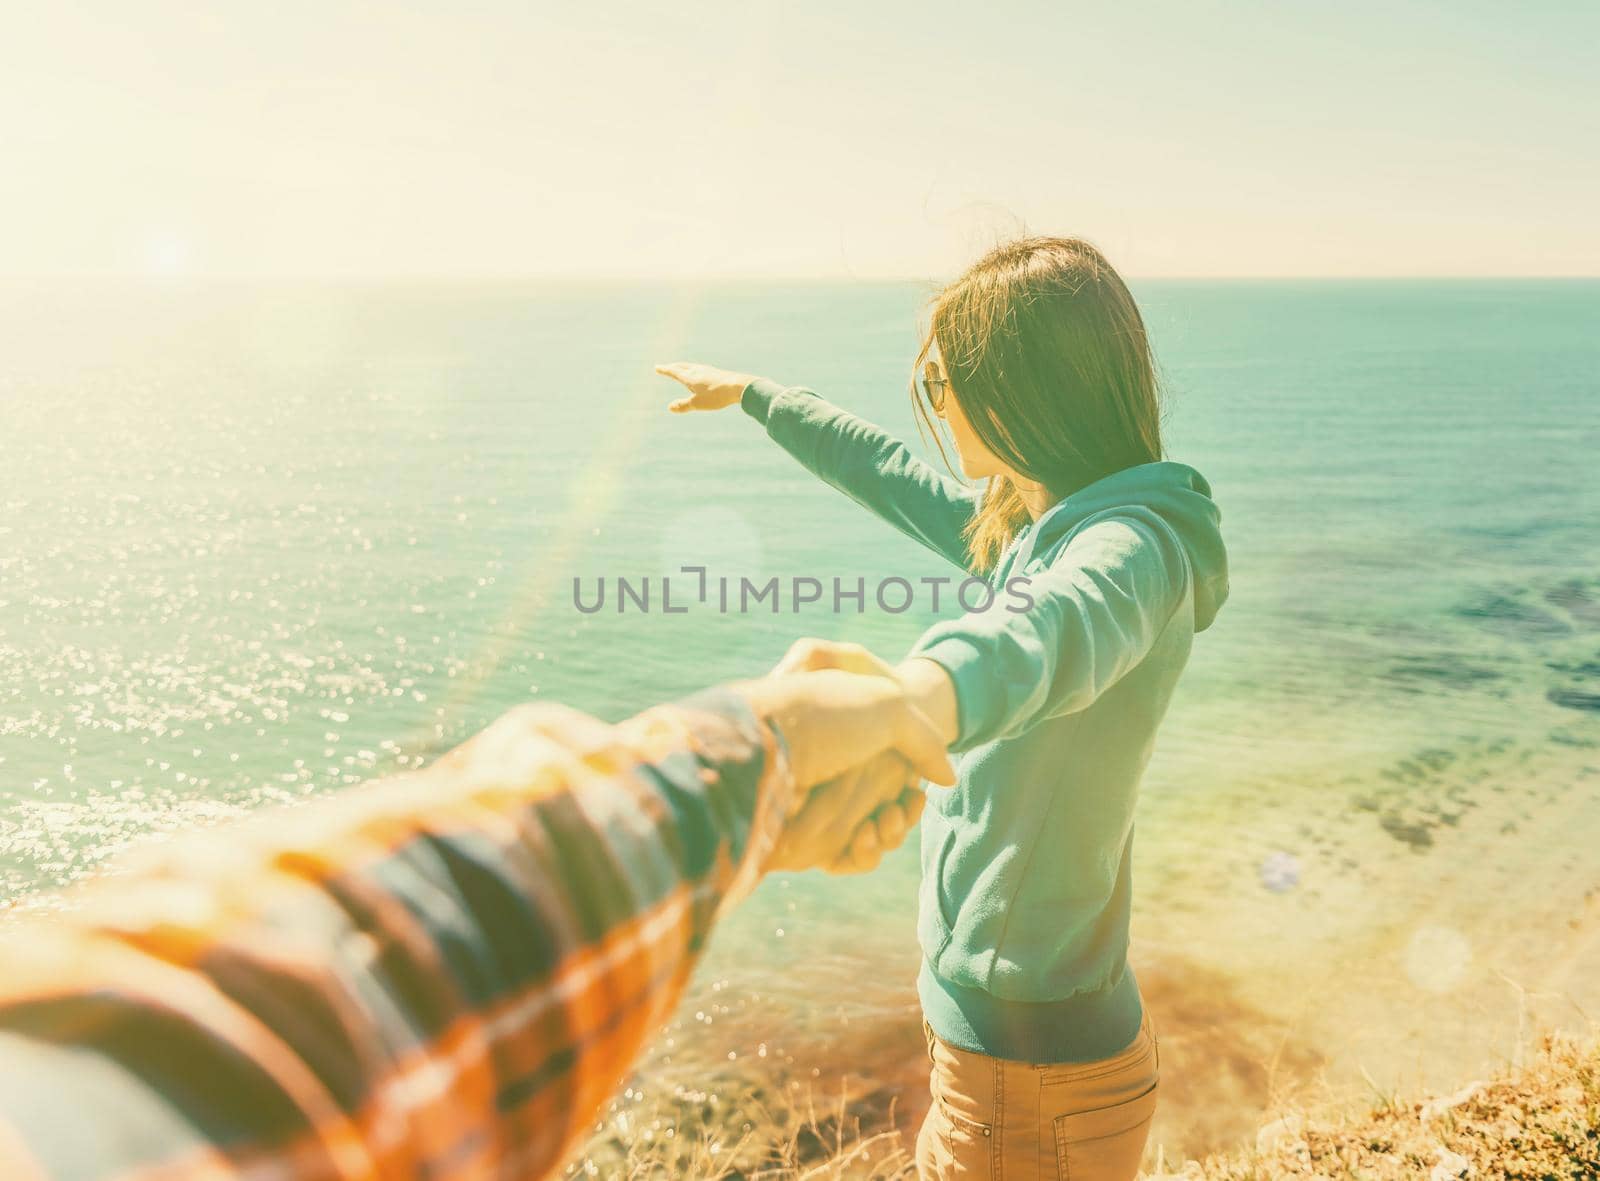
x=1050, y=378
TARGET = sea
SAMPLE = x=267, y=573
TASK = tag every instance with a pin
x=262, y=541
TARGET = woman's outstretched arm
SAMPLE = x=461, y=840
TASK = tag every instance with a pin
x=1092, y=616
x=862, y=460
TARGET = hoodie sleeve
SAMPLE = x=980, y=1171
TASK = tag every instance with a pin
x=1095, y=613
x=867, y=464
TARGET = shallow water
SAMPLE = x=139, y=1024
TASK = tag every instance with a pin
x=258, y=542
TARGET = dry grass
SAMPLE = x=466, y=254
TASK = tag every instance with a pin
x=1538, y=1123
x=753, y=1137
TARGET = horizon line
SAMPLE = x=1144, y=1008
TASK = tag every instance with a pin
x=180, y=280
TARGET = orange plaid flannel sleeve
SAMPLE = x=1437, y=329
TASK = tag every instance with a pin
x=440, y=975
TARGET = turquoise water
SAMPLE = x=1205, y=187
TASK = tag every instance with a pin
x=258, y=542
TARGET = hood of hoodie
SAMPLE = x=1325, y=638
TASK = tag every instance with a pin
x=1176, y=493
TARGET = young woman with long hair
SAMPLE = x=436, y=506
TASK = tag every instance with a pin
x=1044, y=1061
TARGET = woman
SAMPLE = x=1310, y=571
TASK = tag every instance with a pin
x=1044, y=1061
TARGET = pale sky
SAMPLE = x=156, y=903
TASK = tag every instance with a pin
x=874, y=138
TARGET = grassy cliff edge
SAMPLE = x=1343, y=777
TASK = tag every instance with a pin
x=1538, y=1122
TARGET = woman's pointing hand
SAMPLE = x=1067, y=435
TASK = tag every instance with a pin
x=709, y=388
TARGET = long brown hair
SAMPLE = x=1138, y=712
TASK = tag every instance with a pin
x=1046, y=352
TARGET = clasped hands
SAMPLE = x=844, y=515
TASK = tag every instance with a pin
x=861, y=749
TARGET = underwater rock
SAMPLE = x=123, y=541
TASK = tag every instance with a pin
x=1578, y=598
x=1575, y=699
x=1411, y=832
x=1443, y=669
x=1582, y=668
x=1511, y=615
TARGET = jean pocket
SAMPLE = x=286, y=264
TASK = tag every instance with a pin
x=1106, y=1143
x=969, y=1145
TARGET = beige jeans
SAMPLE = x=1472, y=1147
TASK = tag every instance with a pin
x=998, y=1120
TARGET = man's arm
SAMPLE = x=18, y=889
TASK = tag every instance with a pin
x=430, y=975
x=441, y=974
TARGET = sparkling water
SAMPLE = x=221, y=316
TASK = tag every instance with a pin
x=258, y=542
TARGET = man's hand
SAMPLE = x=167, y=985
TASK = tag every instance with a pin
x=849, y=823
x=859, y=738
x=709, y=388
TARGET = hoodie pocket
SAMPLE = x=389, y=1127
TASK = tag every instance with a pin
x=933, y=925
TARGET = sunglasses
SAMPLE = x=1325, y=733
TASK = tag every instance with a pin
x=934, y=384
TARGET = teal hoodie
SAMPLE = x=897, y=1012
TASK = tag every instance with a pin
x=1024, y=904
